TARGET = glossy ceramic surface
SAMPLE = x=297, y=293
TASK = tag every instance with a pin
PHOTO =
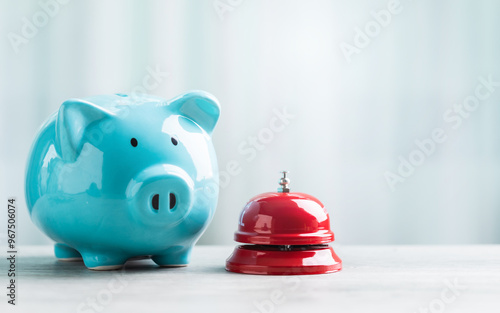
x=117, y=176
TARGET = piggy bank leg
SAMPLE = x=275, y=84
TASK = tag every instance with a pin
x=173, y=257
x=64, y=252
x=98, y=261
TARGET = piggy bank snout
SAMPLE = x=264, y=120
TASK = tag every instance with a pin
x=161, y=195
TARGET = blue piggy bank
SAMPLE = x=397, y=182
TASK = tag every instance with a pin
x=115, y=177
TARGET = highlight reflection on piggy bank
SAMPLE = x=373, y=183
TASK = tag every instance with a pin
x=114, y=177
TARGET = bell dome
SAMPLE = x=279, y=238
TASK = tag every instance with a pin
x=284, y=233
x=276, y=218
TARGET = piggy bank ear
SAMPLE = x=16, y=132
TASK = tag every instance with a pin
x=199, y=106
x=73, y=121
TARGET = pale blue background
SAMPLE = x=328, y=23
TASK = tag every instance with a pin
x=352, y=120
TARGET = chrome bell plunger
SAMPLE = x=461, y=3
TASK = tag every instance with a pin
x=284, y=233
x=284, y=181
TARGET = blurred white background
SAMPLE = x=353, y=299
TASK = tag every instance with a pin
x=359, y=101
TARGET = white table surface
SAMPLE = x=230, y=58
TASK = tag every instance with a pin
x=374, y=279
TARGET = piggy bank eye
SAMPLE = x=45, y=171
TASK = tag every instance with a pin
x=133, y=142
x=174, y=141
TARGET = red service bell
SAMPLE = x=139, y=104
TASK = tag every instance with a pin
x=284, y=233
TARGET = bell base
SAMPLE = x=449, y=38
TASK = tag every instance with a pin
x=274, y=260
